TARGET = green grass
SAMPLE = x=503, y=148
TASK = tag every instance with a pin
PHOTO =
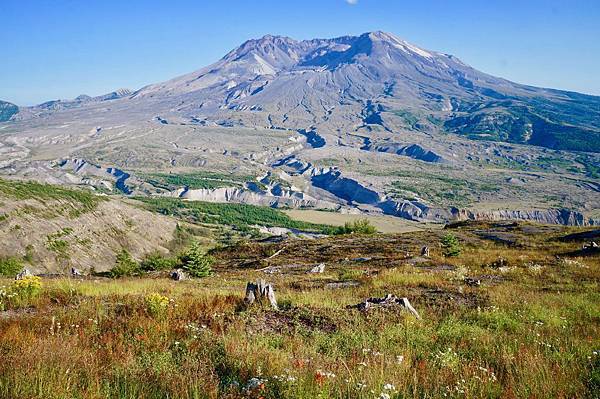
x=240, y=216
x=438, y=188
x=195, y=180
x=77, y=201
x=561, y=125
x=9, y=267
x=591, y=166
x=408, y=117
x=521, y=334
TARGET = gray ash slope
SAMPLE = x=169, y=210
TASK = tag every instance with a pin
x=354, y=79
x=335, y=122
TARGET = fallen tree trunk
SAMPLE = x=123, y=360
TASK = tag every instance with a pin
x=261, y=292
x=387, y=301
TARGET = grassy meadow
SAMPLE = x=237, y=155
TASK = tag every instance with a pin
x=530, y=330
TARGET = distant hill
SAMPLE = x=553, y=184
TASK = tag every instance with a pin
x=7, y=110
x=50, y=229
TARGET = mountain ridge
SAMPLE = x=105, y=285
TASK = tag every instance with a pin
x=340, y=121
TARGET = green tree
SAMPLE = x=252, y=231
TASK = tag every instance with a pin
x=361, y=226
x=197, y=262
x=156, y=261
x=450, y=245
x=125, y=265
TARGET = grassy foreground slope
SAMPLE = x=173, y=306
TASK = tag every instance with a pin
x=531, y=329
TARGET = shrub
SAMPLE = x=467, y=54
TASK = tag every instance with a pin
x=361, y=226
x=125, y=265
x=156, y=304
x=4, y=298
x=10, y=266
x=196, y=262
x=346, y=274
x=450, y=245
x=156, y=261
x=26, y=288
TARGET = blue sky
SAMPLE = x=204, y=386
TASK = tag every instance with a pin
x=63, y=48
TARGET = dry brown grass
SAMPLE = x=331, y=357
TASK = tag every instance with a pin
x=530, y=330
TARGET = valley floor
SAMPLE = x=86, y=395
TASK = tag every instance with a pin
x=531, y=329
x=383, y=223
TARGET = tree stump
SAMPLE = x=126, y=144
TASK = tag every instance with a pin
x=261, y=292
x=178, y=275
x=23, y=273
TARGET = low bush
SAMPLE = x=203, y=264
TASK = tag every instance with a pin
x=125, y=266
x=156, y=304
x=362, y=226
x=10, y=266
x=27, y=287
x=20, y=292
x=156, y=262
x=350, y=274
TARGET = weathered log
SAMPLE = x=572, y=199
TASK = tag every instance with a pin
x=261, y=292
x=320, y=268
x=276, y=253
x=387, y=301
x=472, y=282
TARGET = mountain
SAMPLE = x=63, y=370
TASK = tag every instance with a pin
x=378, y=72
x=79, y=101
x=367, y=123
x=7, y=110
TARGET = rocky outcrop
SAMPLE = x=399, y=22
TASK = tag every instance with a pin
x=417, y=211
x=246, y=196
x=313, y=138
x=414, y=151
x=345, y=188
x=106, y=177
x=545, y=216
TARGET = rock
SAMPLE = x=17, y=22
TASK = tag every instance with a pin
x=255, y=384
x=417, y=259
x=320, y=268
x=261, y=291
x=271, y=270
x=342, y=284
x=178, y=275
x=425, y=251
x=498, y=263
x=76, y=272
x=387, y=301
x=472, y=282
x=23, y=273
